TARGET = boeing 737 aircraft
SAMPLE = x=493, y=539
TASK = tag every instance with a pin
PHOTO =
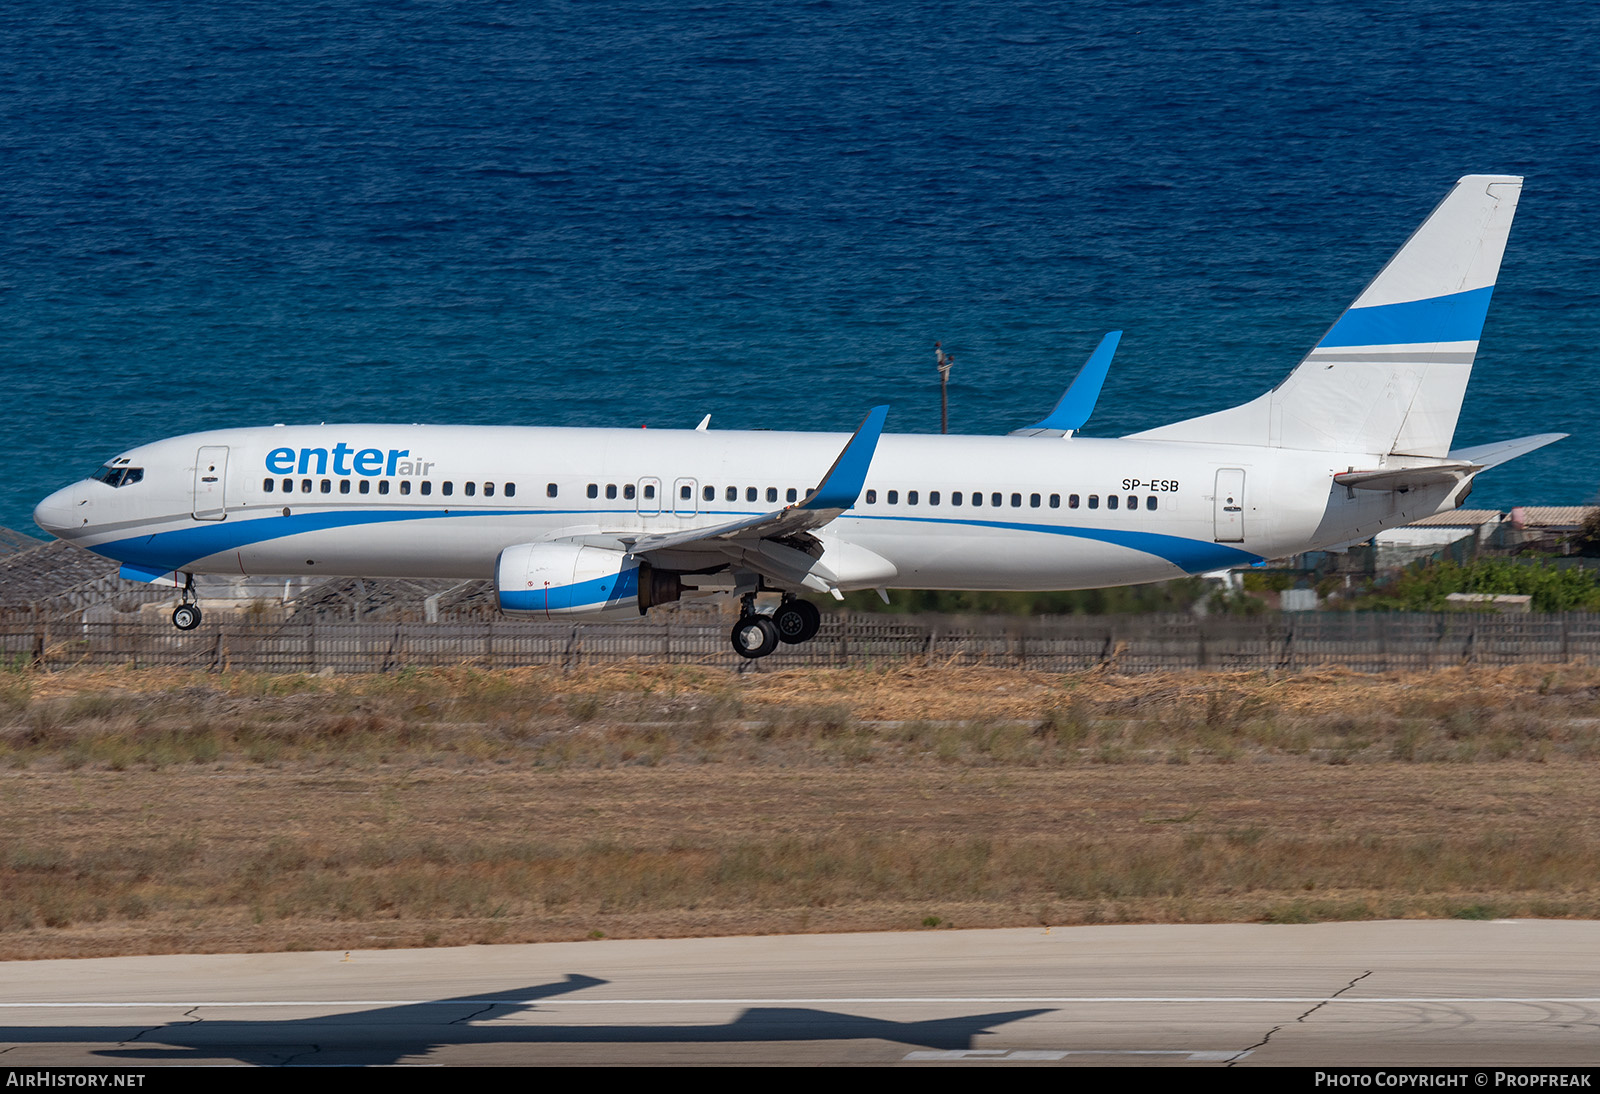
x=612, y=522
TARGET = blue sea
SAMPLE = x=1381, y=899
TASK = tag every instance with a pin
x=641, y=212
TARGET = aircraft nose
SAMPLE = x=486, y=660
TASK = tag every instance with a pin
x=57, y=514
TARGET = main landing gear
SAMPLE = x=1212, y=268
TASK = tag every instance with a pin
x=186, y=616
x=793, y=622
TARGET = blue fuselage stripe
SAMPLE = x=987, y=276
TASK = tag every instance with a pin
x=176, y=549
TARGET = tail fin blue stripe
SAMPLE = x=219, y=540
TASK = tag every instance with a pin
x=1457, y=317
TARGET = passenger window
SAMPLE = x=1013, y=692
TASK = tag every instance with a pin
x=792, y=494
x=649, y=490
x=366, y=486
x=549, y=490
x=383, y=486
x=1133, y=502
x=911, y=497
x=627, y=492
x=1094, y=501
x=344, y=486
x=327, y=486
x=686, y=492
x=955, y=497
x=1111, y=501
x=709, y=493
x=977, y=498
x=872, y=497
x=749, y=493
x=894, y=497
x=933, y=497
x=305, y=486
x=448, y=489
x=266, y=484
x=471, y=488
x=772, y=493
x=611, y=490
x=405, y=486
x=594, y=490
x=1055, y=501
x=1016, y=501
x=427, y=487
x=809, y=491
x=511, y=489
x=996, y=500
x=288, y=486
x=1033, y=501
x=488, y=489
x=1072, y=501
x=732, y=493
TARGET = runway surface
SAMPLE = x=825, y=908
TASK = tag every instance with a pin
x=1343, y=994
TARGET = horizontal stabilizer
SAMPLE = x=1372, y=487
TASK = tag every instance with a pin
x=1493, y=455
x=1078, y=401
x=1406, y=478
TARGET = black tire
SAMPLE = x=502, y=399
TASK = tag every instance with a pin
x=186, y=617
x=797, y=621
x=755, y=636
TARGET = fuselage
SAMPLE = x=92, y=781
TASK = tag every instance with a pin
x=1018, y=513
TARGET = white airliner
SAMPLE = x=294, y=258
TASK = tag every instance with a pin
x=612, y=522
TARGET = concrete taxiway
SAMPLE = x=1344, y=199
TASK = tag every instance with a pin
x=1467, y=994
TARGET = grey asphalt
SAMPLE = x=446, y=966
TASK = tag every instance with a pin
x=1463, y=994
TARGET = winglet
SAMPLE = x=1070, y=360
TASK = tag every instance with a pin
x=1077, y=402
x=841, y=486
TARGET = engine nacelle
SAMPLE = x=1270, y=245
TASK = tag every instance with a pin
x=560, y=579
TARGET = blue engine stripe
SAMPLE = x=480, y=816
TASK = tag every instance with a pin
x=613, y=588
x=1454, y=318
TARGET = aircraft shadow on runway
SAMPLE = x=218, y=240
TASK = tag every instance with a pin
x=386, y=1035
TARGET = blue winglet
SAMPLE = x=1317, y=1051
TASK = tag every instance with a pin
x=1077, y=403
x=841, y=486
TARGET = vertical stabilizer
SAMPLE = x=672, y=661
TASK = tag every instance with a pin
x=1389, y=376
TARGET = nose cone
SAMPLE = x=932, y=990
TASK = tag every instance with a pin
x=58, y=514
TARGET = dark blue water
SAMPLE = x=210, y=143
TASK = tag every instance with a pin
x=641, y=212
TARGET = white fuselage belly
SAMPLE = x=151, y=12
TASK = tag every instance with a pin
x=1287, y=503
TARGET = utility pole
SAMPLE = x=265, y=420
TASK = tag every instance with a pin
x=945, y=360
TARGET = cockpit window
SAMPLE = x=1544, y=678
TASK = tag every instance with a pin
x=118, y=476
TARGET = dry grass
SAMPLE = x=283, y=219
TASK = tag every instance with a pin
x=149, y=811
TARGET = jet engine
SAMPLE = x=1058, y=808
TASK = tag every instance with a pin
x=562, y=579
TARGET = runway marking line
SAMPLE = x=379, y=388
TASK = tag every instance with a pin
x=1001, y=1055
x=984, y=1000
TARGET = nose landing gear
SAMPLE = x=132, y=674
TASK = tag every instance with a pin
x=186, y=616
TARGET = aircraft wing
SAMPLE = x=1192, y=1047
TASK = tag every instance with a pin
x=836, y=492
x=777, y=545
